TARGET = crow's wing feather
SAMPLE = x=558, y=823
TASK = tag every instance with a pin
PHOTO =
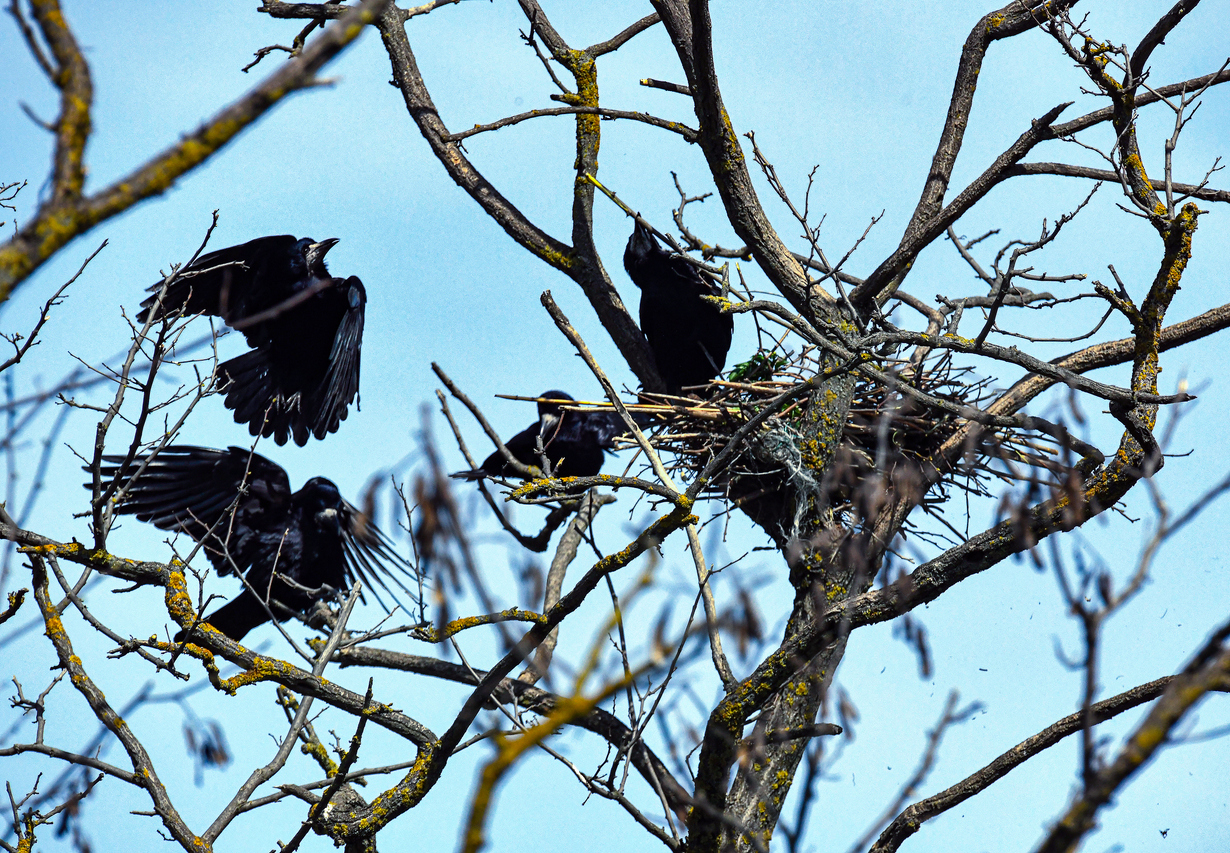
x=194, y=489
x=341, y=382
x=372, y=558
x=218, y=283
x=603, y=428
x=252, y=392
x=523, y=446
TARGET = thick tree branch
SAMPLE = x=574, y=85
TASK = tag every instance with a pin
x=1157, y=36
x=143, y=767
x=70, y=758
x=572, y=261
x=332, y=10
x=423, y=110
x=363, y=823
x=208, y=641
x=1015, y=18
x=618, y=40
x=1109, y=354
x=1065, y=170
x=1209, y=668
x=72, y=127
x=1150, y=96
x=602, y=723
x=888, y=275
x=67, y=215
x=929, y=581
x=690, y=30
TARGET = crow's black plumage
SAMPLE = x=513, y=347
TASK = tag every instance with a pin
x=689, y=337
x=575, y=442
x=239, y=506
x=305, y=328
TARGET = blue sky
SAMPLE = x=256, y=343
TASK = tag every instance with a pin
x=859, y=89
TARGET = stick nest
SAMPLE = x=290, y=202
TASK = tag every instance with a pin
x=886, y=433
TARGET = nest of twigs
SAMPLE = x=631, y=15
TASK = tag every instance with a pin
x=887, y=434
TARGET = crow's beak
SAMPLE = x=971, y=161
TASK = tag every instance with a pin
x=329, y=518
x=548, y=423
x=316, y=252
x=643, y=242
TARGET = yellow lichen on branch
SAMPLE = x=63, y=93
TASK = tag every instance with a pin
x=68, y=214
x=142, y=766
x=431, y=634
x=16, y=599
x=509, y=749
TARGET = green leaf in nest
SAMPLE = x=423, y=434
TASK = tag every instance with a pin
x=758, y=368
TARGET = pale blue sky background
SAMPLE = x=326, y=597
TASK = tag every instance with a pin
x=860, y=90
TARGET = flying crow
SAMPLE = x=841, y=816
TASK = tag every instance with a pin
x=294, y=549
x=574, y=442
x=689, y=337
x=305, y=328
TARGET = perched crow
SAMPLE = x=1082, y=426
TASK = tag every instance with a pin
x=305, y=328
x=574, y=442
x=239, y=506
x=689, y=337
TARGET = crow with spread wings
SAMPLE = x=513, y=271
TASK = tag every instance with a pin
x=292, y=548
x=305, y=328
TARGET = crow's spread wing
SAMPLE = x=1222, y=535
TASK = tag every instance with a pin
x=341, y=382
x=373, y=559
x=223, y=499
x=221, y=282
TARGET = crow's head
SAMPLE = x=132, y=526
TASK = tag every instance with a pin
x=547, y=409
x=642, y=245
x=314, y=255
x=321, y=498
x=550, y=414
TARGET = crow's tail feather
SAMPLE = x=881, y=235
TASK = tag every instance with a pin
x=257, y=402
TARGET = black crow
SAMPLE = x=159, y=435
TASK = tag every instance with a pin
x=239, y=506
x=574, y=442
x=689, y=337
x=305, y=328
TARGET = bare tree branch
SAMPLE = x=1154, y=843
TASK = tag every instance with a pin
x=68, y=213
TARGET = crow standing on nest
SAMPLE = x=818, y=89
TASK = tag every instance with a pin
x=305, y=328
x=574, y=442
x=239, y=506
x=689, y=337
